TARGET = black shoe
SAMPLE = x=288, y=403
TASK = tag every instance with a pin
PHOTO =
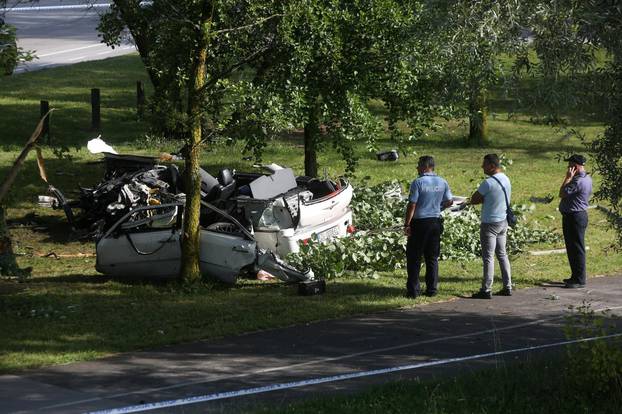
x=570, y=280
x=482, y=294
x=410, y=296
x=575, y=285
x=430, y=293
x=505, y=292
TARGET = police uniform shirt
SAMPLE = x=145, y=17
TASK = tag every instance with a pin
x=429, y=191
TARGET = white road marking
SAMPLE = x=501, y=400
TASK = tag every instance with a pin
x=334, y=378
x=321, y=360
x=77, y=58
x=44, y=8
x=71, y=50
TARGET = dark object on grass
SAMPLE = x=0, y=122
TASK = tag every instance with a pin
x=547, y=199
x=312, y=287
x=387, y=155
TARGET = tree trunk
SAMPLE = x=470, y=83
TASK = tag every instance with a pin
x=312, y=132
x=8, y=264
x=130, y=12
x=7, y=259
x=478, y=122
x=190, y=271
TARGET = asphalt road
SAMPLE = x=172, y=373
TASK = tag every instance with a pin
x=210, y=376
x=60, y=33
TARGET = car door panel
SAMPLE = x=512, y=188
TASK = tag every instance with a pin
x=151, y=254
x=224, y=255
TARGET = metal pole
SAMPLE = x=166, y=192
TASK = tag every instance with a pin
x=140, y=99
x=95, y=109
x=45, y=132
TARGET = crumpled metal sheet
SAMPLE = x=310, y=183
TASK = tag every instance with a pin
x=104, y=204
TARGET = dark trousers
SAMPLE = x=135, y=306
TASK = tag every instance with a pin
x=424, y=240
x=574, y=225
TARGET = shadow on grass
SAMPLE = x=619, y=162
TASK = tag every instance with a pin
x=88, y=279
x=47, y=229
x=579, y=101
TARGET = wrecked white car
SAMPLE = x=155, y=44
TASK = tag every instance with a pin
x=247, y=219
x=147, y=242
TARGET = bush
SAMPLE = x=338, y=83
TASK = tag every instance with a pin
x=596, y=365
x=8, y=49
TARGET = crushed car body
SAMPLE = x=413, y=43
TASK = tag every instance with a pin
x=147, y=242
x=283, y=210
x=247, y=220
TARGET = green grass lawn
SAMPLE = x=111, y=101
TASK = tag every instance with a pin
x=66, y=312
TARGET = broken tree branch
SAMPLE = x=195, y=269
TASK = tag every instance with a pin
x=248, y=26
x=8, y=181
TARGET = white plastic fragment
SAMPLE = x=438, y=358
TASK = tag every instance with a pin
x=97, y=146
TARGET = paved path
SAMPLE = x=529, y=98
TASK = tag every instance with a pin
x=463, y=327
x=61, y=32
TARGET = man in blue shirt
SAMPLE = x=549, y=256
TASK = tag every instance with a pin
x=575, y=195
x=423, y=226
x=494, y=195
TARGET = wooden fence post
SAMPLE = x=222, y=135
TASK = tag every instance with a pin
x=45, y=132
x=140, y=99
x=95, y=109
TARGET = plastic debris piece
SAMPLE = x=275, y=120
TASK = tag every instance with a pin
x=97, y=146
x=391, y=155
x=265, y=276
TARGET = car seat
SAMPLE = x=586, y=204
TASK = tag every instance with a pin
x=227, y=182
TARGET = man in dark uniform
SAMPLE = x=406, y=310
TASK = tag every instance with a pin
x=575, y=193
x=423, y=226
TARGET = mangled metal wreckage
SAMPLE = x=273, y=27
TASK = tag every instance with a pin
x=247, y=220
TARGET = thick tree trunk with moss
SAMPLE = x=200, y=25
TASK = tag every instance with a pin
x=478, y=118
x=312, y=132
x=190, y=271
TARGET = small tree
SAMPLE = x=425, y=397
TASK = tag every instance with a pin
x=476, y=34
x=568, y=35
x=10, y=53
x=329, y=58
x=190, y=51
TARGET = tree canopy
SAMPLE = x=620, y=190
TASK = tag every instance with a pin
x=570, y=32
x=268, y=66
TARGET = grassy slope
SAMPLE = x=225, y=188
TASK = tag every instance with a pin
x=67, y=313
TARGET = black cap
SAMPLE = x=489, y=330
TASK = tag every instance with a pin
x=576, y=158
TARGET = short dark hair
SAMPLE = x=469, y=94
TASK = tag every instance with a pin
x=492, y=159
x=427, y=161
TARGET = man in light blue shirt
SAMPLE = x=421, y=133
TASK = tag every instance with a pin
x=494, y=194
x=423, y=226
